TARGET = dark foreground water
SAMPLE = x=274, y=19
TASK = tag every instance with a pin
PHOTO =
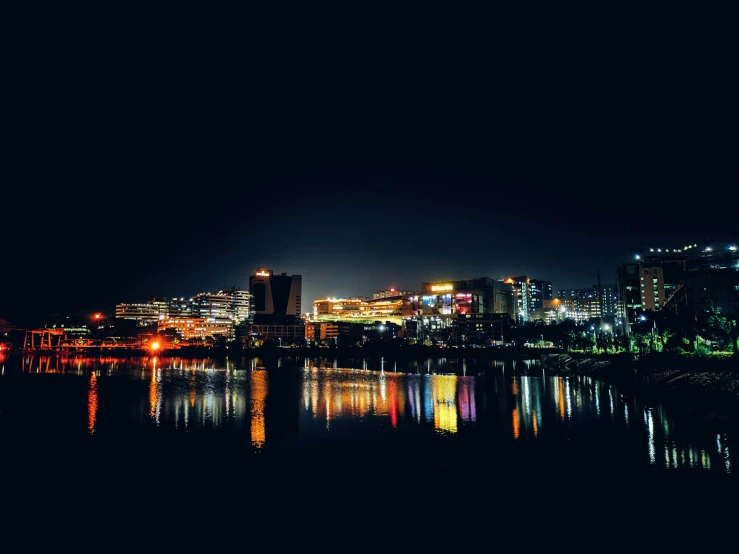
x=292, y=438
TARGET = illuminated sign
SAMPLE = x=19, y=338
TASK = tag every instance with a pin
x=263, y=273
x=437, y=288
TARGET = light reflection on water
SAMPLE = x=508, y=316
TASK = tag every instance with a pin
x=486, y=401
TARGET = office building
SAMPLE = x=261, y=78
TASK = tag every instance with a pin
x=275, y=295
x=539, y=291
x=478, y=295
x=197, y=328
x=276, y=306
x=689, y=278
x=145, y=314
x=389, y=293
x=521, y=297
x=482, y=329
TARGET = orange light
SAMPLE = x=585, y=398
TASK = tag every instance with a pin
x=155, y=345
x=508, y=281
x=97, y=316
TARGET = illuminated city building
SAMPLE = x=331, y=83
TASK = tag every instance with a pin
x=588, y=308
x=276, y=306
x=539, y=291
x=199, y=328
x=479, y=295
x=143, y=313
x=209, y=305
x=240, y=304
x=383, y=307
x=389, y=293
x=287, y=332
x=521, y=297
x=222, y=309
x=688, y=278
x=652, y=288
x=483, y=329
x=339, y=307
x=608, y=295
x=321, y=331
x=180, y=307
x=276, y=295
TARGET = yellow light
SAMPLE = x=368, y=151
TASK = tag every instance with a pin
x=263, y=273
x=155, y=345
x=441, y=287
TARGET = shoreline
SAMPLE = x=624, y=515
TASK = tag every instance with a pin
x=392, y=352
x=707, y=388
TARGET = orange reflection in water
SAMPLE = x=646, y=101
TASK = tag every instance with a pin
x=92, y=403
x=258, y=401
x=514, y=387
x=561, y=398
x=153, y=395
x=533, y=419
x=392, y=391
x=516, y=424
x=352, y=393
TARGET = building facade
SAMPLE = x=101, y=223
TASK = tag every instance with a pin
x=689, y=278
x=539, y=291
x=276, y=295
x=143, y=313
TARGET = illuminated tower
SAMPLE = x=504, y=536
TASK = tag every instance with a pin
x=276, y=295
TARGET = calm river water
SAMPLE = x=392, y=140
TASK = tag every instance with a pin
x=456, y=425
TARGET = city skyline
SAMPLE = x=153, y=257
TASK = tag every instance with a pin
x=358, y=176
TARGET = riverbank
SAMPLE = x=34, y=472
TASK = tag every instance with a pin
x=392, y=352
x=708, y=387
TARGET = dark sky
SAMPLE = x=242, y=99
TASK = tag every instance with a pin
x=165, y=164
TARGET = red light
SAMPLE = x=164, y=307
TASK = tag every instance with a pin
x=392, y=290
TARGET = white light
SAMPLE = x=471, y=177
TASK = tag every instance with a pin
x=659, y=250
x=732, y=248
x=637, y=257
x=651, y=249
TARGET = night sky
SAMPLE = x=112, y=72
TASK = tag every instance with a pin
x=360, y=161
